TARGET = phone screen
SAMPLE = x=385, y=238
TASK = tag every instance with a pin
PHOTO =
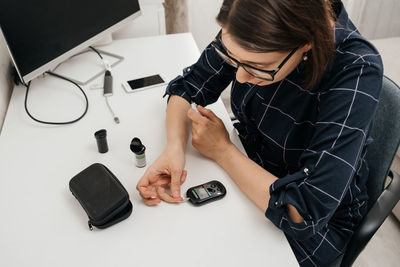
x=146, y=81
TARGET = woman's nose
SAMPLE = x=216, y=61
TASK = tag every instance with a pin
x=243, y=76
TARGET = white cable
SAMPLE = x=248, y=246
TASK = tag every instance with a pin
x=107, y=64
x=116, y=119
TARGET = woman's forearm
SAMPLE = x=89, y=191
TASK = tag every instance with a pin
x=178, y=125
x=252, y=179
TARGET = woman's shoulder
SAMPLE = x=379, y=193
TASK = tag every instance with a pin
x=352, y=49
x=351, y=46
x=354, y=56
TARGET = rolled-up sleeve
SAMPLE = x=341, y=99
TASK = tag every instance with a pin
x=204, y=81
x=329, y=163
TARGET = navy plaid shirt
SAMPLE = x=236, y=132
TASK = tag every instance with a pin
x=314, y=141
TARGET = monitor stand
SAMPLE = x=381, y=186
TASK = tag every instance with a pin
x=77, y=67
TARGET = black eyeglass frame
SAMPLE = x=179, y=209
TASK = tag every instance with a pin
x=244, y=65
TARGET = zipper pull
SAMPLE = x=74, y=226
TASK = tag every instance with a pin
x=90, y=226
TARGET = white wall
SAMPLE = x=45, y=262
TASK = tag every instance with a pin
x=151, y=22
x=375, y=19
x=5, y=80
x=202, y=22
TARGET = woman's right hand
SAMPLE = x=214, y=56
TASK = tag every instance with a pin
x=165, y=173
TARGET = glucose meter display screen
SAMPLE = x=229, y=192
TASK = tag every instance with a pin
x=201, y=192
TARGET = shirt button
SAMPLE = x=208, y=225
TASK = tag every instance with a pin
x=276, y=203
x=188, y=69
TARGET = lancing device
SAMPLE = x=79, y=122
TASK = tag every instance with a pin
x=108, y=91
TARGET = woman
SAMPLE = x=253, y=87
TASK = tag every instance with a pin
x=305, y=86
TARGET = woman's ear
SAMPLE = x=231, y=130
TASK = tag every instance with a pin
x=307, y=47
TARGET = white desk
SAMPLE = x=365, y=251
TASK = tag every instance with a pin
x=42, y=224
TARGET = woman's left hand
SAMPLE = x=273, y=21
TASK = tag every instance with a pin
x=209, y=135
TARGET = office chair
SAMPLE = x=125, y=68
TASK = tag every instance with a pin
x=386, y=133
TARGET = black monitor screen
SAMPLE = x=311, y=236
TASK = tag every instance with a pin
x=39, y=31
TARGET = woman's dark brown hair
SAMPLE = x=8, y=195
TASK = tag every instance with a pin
x=282, y=25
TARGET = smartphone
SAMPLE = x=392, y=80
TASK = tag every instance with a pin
x=143, y=83
x=205, y=193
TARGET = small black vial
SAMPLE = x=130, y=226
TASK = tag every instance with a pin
x=101, y=138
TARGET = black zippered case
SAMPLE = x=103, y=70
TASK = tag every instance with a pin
x=101, y=195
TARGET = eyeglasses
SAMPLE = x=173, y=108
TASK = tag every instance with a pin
x=266, y=75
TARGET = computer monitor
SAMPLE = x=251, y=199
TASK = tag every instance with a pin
x=42, y=34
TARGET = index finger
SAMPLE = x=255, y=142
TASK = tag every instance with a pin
x=195, y=117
